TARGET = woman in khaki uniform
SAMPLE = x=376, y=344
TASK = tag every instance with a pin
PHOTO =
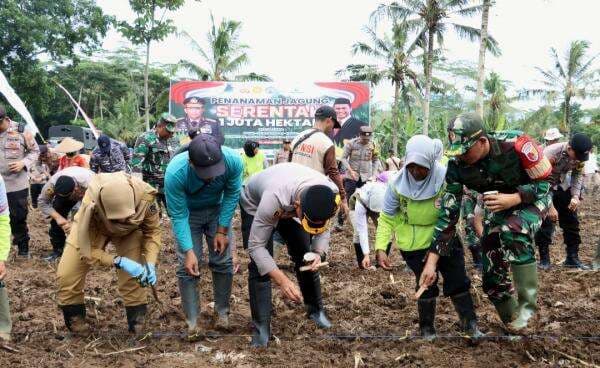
x=120, y=209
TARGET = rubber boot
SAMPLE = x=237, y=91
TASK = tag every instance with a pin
x=544, y=251
x=596, y=261
x=572, y=260
x=23, y=248
x=359, y=254
x=74, y=315
x=136, y=318
x=188, y=289
x=476, y=254
x=310, y=286
x=506, y=309
x=388, y=249
x=525, y=280
x=5, y=321
x=426, y=309
x=463, y=303
x=222, y=293
x=260, y=309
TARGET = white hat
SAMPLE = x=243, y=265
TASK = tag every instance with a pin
x=552, y=134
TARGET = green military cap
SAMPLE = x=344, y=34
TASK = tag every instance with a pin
x=463, y=131
x=169, y=120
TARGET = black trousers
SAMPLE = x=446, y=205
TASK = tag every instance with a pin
x=57, y=234
x=35, y=190
x=17, y=205
x=298, y=243
x=567, y=220
x=452, y=269
x=350, y=187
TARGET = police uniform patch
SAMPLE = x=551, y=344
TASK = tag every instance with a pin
x=153, y=209
x=206, y=129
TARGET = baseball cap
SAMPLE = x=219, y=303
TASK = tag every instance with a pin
x=582, y=145
x=169, y=120
x=104, y=143
x=206, y=156
x=64, y=186
x=463, y=131
x=552, y=134
x=286, y=140
x=325, y=112
x=319, y=204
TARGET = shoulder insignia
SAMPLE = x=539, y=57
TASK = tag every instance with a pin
x=532, y=158
x=277, y=213
x=153, y=208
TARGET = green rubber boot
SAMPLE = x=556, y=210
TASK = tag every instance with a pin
x=506, y=309
x=526, y=282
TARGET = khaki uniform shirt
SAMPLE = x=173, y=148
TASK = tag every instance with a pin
x=362, y=158
x=16, y=147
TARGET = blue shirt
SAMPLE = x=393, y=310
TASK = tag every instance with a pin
x=185, y=191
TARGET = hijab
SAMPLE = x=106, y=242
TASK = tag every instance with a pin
x=426, y=152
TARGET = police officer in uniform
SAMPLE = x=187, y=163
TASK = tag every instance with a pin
x=18, y=153
x=510, y=169
x=194, y=120
x=360, y=160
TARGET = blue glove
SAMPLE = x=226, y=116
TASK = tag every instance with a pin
x=131, y=267
x=149, y=276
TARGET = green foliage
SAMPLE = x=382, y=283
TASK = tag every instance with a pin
x=58, y=30
x=149, y=26
x=225, y=56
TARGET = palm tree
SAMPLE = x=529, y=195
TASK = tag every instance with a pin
x=569, y=78
x=485, y=15
x=430, y=19
x=225, y=55
x=394, y=53
x=497, y=103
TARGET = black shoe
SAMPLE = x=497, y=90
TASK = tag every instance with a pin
x=52, y=257
x=359, y=254
x=574, y=262
x=320, y=319
x=426, y=308
x=463, y=303
x=74, y=316
x=23, y=255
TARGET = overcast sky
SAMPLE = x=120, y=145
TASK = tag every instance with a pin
x=309, y=40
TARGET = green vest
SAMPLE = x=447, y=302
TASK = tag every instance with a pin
x=253, y=165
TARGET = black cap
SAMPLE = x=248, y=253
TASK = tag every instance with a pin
x=64, y=186
x=342, y=101
x=366, y=130
x=319, y=204
x=286, y=140
x=194, y=100
x=582, y=145
x=249, y=147
x=205, y=153
x=104, y=143
x=325, y=112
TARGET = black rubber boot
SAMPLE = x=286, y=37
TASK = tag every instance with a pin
x=260, y=308
x=23, y=248
x=476, y=254
x=136, y=316
x=359, y=254
x=74, y=316
x=463, y=303
x=572, y=260
x=426, y=308
x=388, y=249
x=544, y=251
x=310, y=286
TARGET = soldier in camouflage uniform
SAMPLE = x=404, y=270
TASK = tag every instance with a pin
x=513, y=165
x=152, y=153
x=468, y=207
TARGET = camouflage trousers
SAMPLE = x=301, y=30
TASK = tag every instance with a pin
x=508, y=239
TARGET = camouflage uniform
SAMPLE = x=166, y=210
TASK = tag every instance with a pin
x=470, y=201
x=113, y=161
x=151, y=156
x=515, y=164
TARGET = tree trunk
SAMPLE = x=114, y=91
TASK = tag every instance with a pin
x=566, y=124
x=396, y=118
x=146, y=107
x=481, y=67
x=428, y=70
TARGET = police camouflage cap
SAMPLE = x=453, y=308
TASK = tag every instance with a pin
x=463, y=132
x=169, y=121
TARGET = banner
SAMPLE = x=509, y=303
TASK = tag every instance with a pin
x=15, y=101
x=264, y=111
x=83, y=114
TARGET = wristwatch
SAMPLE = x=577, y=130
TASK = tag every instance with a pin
x=117, y=262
